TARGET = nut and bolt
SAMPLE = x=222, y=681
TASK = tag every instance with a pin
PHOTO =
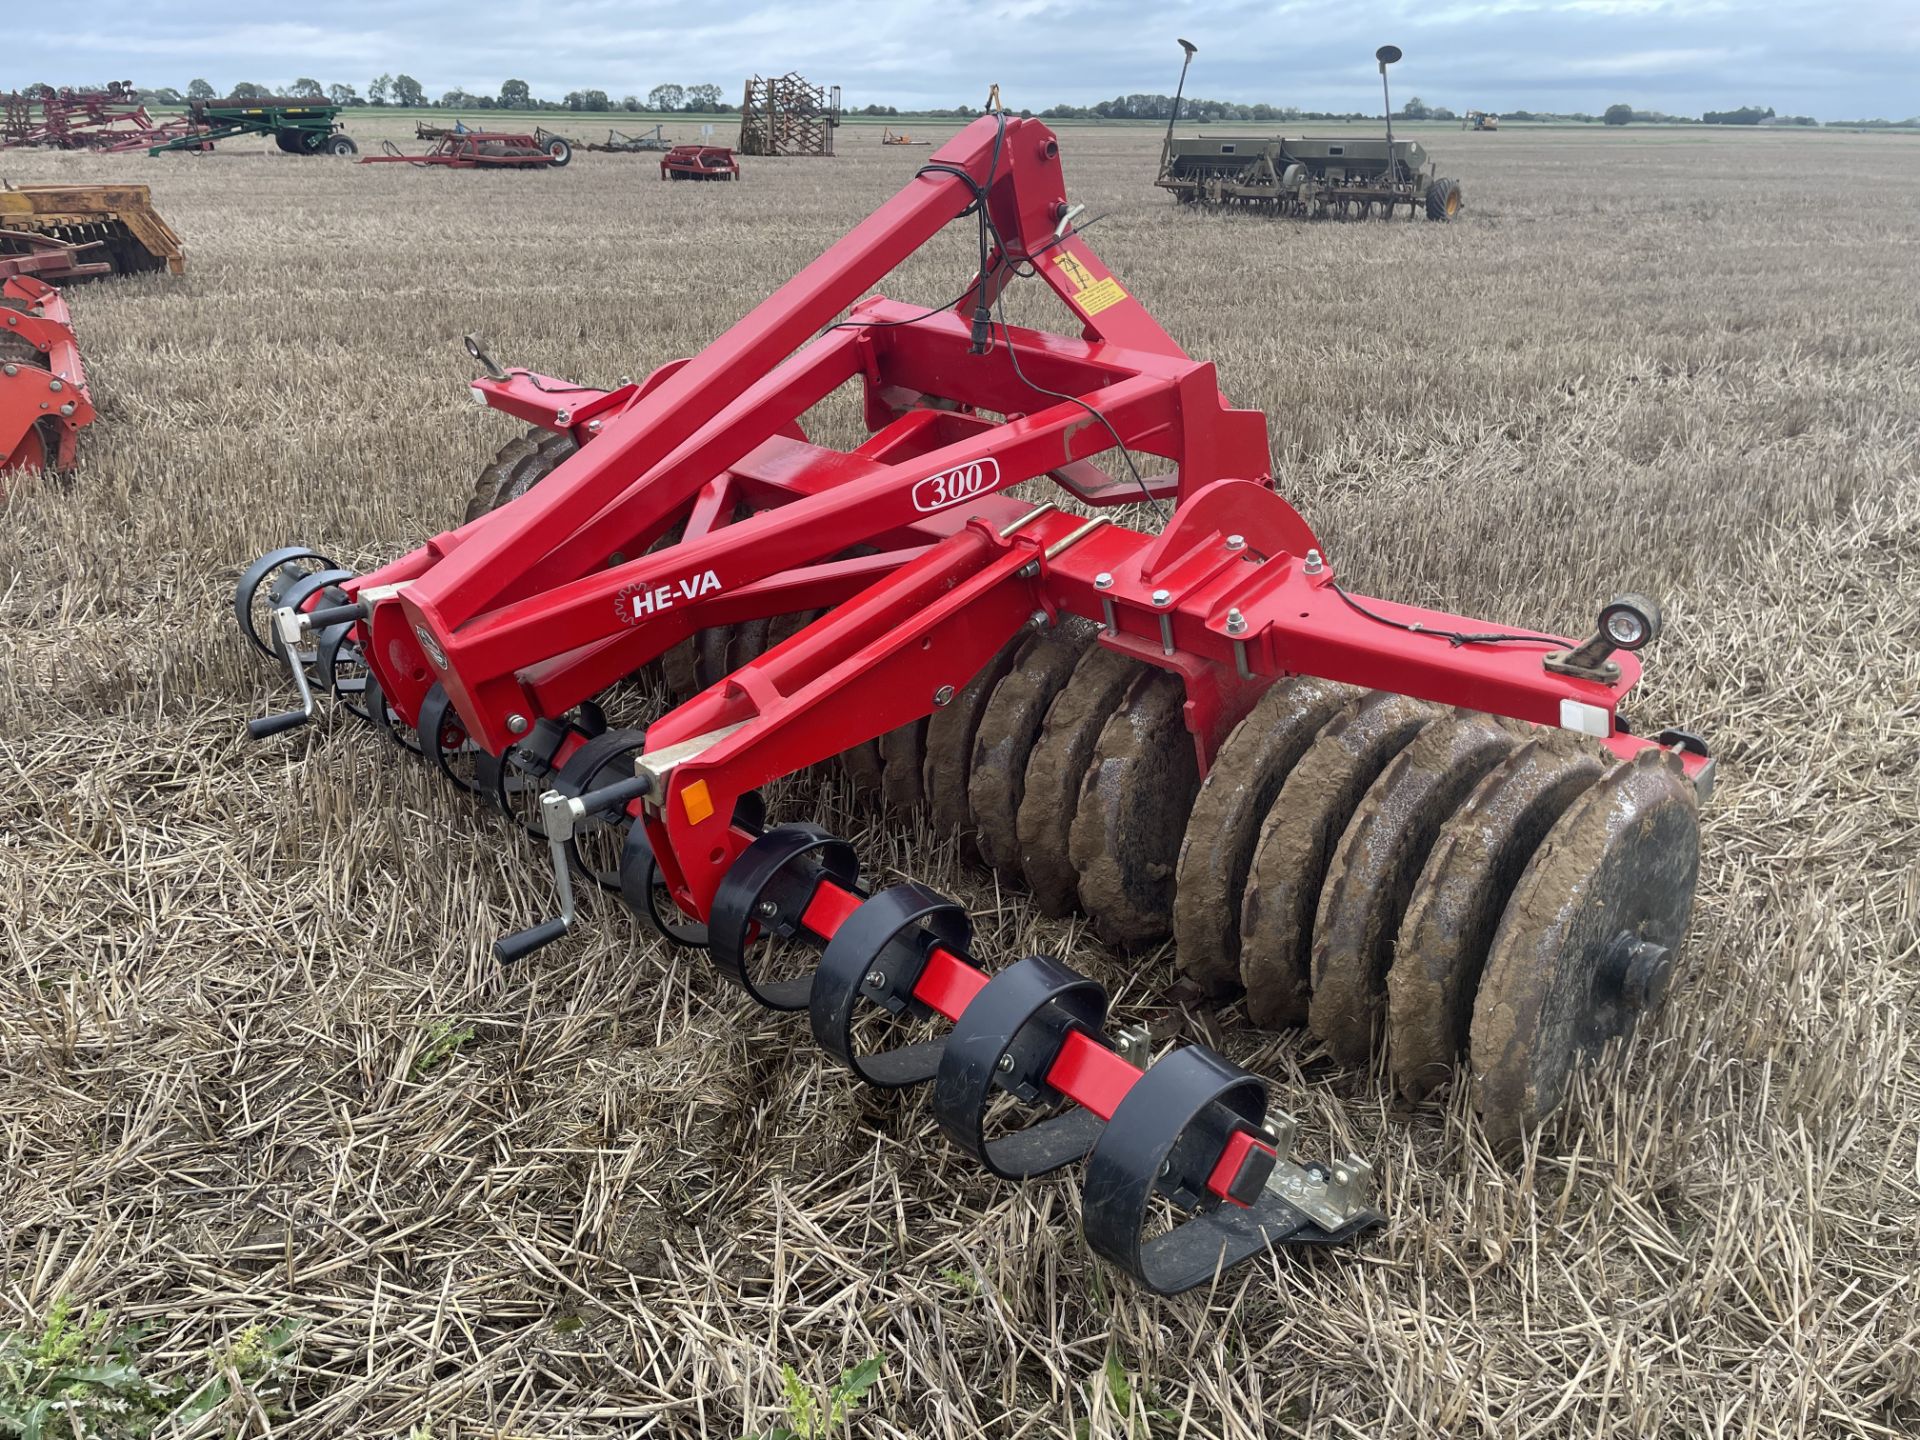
x=766, y=910
x=1005, y=1065
x=1103, y=581
x=516, y=724
x=943, y=697
x=1236, y=542
x=1163, y=597
x=593, y=427
x=1314, y=564
x=1236, y=623
x=9, y=369
x=56, y=387
x=563, y=417
x=875, y=979
x=67, y=409
x=625, y=380
x=1038, y=620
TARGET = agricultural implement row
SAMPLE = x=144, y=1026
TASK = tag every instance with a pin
x=1392, y=825
x=483, y=150
x=1315, y=178
x=67, y=119
x=888, y=136
x=115, y=225
x=699, y=162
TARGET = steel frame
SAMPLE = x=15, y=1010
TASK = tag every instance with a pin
x=55, y=397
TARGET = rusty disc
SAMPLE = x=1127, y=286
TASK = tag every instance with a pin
x=1458, y=900
x=1134, y=802
x=1009, y=725
x=1210, y=875
x=1588, y=939
x=903, y=764
x=950, y=731
x=1296, y=842
x=1371, y=876
x=1055, y=769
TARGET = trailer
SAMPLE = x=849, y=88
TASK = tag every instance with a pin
x=299, y=127
x=483, y=150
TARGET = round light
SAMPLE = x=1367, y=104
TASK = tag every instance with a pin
x=1626, y=629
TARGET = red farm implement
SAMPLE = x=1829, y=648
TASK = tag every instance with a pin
x=483, y=150
x=699, y=162
x=1389, y=824
x=67, y=119
x=43, y=386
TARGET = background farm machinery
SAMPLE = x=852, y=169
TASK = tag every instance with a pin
x=111, y=119
x=1345, y=177
x=788, y=115
x=1401, y=828
x=618, y=142
x=699, y=162
x=463, y=149
x=299, y=127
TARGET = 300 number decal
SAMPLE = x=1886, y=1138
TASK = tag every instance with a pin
x=950, y=487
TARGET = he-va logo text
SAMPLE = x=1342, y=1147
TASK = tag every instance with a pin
x=638, y=601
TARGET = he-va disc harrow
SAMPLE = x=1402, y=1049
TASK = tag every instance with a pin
x=1425, y=840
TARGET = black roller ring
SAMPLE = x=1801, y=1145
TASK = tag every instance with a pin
x=1164, y=1136
x=782, y=869
x=535, y=761
x=1024, y=1014
x=334, y=641
x=255, y=576
x=641, y=886
x=434, y=712
x=583, y=771
x=877, y=957
x=381, y=715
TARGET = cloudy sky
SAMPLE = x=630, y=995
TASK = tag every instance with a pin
x=1831, y=59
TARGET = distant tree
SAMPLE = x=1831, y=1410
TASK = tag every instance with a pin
x=595, y=100
x=705, y=98
x=629, y=102
x=1745, y=115
x=514, y=95
x=343, y=95
x=305, y=89
x=666, y=97
x=199, y=90
x=41, y=91
x=456, y=99
x=247, y=90
x=1441, y=112
x=1618, y=115
x=378, y=89
x=165, y=95
x=1416, y=109
x=408, y=91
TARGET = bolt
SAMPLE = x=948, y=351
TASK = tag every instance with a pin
x=516, y=724
x=1314, y=565
x=1236, y=623
x=563, y=417
x=593, y=427
x=1163, y=597
x=56, y=387
x=1038, y=620
x=625, y=380
x=875, y=979
x=766, y=909
x=1005, y=1065
x=1236, y=542
x=1166, y=1168
x=943, y=697
x=11, y=369
x=1102, y=581
x=67, y=409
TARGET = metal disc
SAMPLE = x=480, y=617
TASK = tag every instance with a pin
x=1371, y=876
x=903, y=763
x=1009, y=725
x=1210, y=875
x=863, y=768
x=1458, y=900
x=950, y=731
x=1055, y=769
x=1588, y=939
x=1134, y=804
x=1296, y=841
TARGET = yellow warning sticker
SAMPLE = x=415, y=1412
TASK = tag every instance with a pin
x=1101, y=296
x=1091, y=295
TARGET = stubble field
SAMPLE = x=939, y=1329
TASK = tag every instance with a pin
x=259, y=1066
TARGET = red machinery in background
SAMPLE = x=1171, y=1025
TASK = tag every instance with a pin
x=699, y=162
x=1198, y=733
x=43, y=386
x=462, y=149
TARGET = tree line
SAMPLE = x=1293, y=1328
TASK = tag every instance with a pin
x=408, y=93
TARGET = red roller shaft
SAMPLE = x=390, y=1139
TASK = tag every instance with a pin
x=1085, y=1071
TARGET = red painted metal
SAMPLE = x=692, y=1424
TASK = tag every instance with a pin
x=474, y=150
x=699, y=162
x=69, y=119
x=542, y=604
x=44, y=400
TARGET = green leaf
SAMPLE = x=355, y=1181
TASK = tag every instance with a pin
x=1117, y=1385
x=853, y=1384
